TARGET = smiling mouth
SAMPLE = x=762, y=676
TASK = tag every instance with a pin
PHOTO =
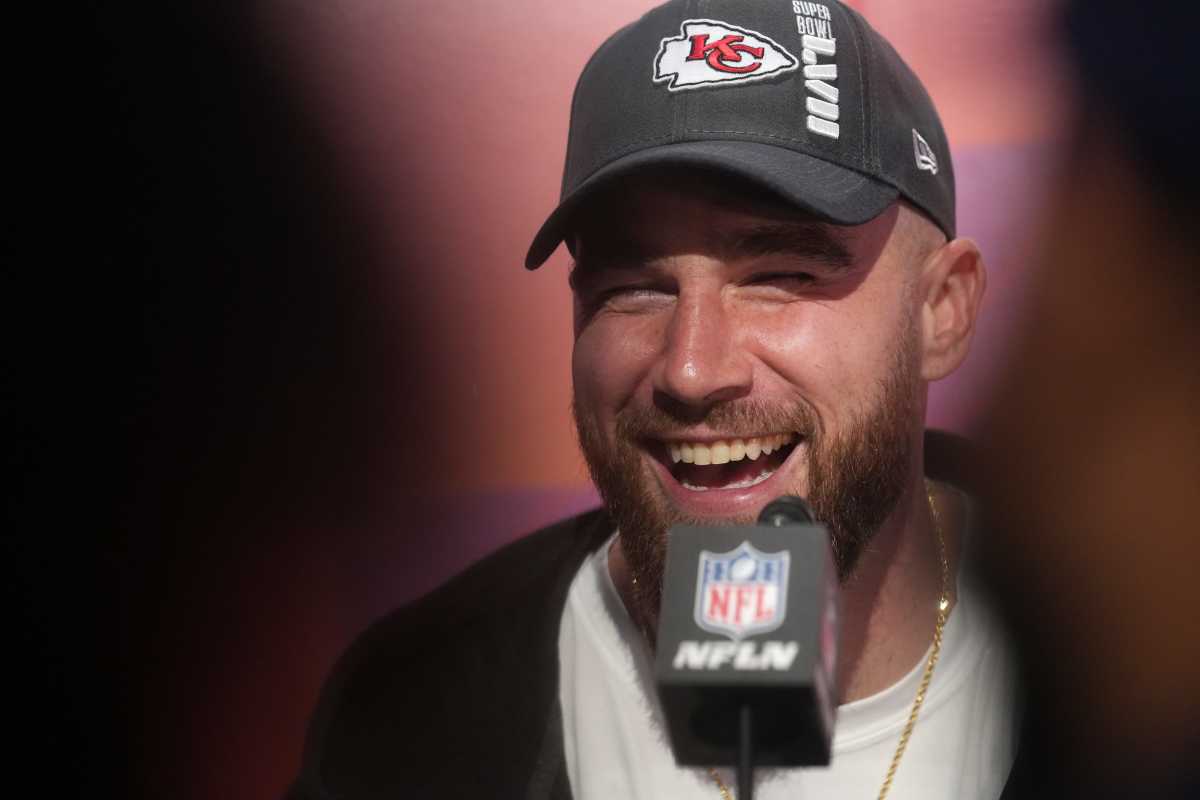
x=726, y=464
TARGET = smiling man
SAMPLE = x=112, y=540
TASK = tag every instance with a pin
x=731, y=348
x=759, y=200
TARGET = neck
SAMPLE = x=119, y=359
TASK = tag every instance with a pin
x=888, y=605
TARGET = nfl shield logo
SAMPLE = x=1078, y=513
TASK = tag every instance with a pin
x=742, y=592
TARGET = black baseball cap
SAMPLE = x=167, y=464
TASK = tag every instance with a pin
x=802, y=98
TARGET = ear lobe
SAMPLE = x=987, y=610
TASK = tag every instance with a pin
x=952, y=284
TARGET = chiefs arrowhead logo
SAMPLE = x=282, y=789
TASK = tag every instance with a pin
x=707, y=52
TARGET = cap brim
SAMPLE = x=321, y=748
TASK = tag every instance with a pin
x=827, y=191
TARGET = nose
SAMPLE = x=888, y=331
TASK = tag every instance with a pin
x=702, y=363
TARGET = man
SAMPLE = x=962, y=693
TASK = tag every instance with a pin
x=760, y=203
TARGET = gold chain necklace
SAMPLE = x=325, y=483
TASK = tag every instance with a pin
x=934, y=652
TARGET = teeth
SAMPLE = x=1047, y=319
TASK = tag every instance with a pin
x=725, y=451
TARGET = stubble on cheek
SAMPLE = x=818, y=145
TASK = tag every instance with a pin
x=641, y=515
x=857, y=479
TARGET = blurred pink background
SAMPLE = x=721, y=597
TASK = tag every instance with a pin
x=448, y=122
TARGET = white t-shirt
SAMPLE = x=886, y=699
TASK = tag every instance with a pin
x=616, y=744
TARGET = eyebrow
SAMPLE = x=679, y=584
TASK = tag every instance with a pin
x=619, y=256
x=808, y=240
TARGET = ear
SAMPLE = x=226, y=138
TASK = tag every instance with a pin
x=952, y=283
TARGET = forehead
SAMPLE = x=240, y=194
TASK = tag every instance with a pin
x=669, y=212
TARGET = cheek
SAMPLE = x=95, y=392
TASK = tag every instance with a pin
x=611, y=361
x=833, y=353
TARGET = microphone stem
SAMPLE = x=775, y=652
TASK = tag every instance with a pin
x=745, y=769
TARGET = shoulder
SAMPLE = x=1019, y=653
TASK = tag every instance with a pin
x=446, y=669
x=526, y=572
x=520, y=573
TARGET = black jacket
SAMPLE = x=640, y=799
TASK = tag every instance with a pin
x=456, y=696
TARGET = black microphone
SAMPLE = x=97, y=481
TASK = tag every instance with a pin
x=786, y=510
x=747, y=642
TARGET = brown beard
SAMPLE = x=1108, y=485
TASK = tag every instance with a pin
x=854, y=480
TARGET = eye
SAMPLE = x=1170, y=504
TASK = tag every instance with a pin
x=627, y=299
x=634, y=294
x=778, y=286
x=782, y=286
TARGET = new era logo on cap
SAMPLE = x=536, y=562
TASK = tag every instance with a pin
x=708, y=52
x=926, y=158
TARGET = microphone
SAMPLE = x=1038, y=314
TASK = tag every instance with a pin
x=746, y=656
x=786, y=510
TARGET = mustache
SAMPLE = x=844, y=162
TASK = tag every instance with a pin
x=737, y=418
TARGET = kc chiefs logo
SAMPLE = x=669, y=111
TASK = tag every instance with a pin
x=726, y=54
x=707, y=52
